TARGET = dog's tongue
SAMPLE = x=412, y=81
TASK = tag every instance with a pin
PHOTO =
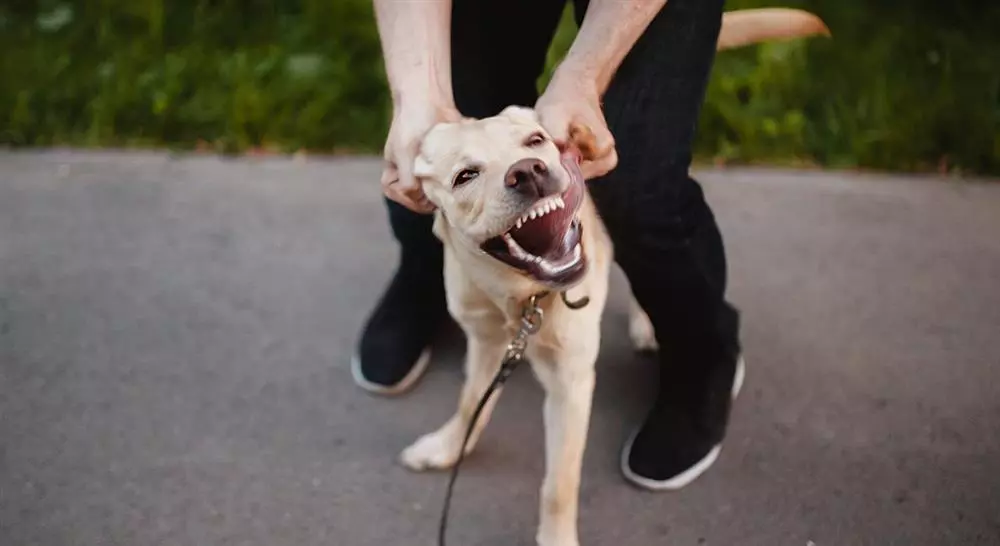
x=548, y=236
x=545, y=236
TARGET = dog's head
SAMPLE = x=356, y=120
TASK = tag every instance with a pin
x=507, y=189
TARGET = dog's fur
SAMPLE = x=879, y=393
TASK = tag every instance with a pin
x=486, y=296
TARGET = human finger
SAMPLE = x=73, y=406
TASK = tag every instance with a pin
x=417, y=202
x=412, y=198
x=409, y=186
x=599, y=167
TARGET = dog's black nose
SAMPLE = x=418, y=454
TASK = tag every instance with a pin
x=528, y=175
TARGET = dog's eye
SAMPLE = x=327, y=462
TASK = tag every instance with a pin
x=535, y=140
x=465, y=175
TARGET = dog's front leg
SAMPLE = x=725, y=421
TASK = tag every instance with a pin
x=439, y=449
x=569, y=385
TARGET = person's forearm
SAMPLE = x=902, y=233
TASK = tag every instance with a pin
x=609, y=30
x=416, y=46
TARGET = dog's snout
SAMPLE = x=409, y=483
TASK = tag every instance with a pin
x=528, y=175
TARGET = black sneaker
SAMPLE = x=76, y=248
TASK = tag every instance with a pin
x=395, y=345
x=682, y=435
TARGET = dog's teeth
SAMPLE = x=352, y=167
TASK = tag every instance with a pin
x=515, y=248
x=518, y=224
x=555, y=268
x=559, y=203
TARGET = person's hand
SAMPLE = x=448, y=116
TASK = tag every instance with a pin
x=571, y=103
x=410, y=122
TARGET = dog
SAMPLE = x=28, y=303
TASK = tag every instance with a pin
x=516, y=220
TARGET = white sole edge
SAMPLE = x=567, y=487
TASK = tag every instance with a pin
x=684, y=478
x=739, y=377
x=403, y=386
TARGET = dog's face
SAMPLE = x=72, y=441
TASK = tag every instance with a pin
x=502, y=183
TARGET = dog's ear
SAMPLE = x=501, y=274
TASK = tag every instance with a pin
x=423, y=171
x=521, y=113
x=422, y=168
x=439, y=228
x=583, y=139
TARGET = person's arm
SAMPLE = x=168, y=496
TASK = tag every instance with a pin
x=609, y=30
x=573, y=97
x=416, y=46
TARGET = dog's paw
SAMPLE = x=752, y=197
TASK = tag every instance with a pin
x=434, y=451
x=640, y=329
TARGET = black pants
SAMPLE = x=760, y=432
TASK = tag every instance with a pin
x=665, y=236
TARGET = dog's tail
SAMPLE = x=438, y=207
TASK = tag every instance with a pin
x=751, y=26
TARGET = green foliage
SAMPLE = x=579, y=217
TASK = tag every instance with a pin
x=903, y=87
x=898, y=87
x=234, y=73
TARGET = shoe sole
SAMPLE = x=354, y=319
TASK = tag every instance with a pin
x=404, y=385
x=684, y=478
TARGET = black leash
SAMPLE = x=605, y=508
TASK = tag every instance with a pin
x=505, y=370
x=531, y=321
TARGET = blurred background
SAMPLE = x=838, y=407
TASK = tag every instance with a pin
x=903, y=86
x=176, y=330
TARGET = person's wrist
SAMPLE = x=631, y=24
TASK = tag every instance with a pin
x=431, y=109
x=573, y=77
x=423, y=95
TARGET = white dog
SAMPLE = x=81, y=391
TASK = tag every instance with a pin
x=516, y=220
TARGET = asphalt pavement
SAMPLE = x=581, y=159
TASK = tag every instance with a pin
x=175, y=335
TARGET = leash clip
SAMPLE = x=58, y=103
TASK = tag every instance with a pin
x=532, y=315
x=531, y=322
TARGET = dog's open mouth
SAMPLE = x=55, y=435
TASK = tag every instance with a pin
x=545, y=242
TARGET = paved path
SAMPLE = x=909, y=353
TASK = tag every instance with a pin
x=174, y=342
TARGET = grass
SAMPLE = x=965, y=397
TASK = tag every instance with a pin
x=905, y=88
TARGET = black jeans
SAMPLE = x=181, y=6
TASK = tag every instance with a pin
x=666, y=239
